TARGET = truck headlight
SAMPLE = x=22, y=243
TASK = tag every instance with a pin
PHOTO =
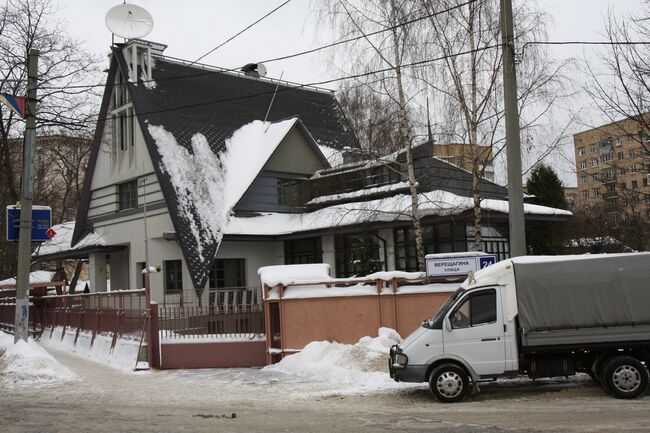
x=401, y=360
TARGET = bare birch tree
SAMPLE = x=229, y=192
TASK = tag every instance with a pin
x=63, y=105
x=388, y=51
x=471, y=85
x=623, y=90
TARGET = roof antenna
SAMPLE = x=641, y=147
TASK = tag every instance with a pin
x=429, y=124
x=272, y=99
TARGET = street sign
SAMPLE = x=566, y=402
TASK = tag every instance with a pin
x=457, y=264
x=41, y=222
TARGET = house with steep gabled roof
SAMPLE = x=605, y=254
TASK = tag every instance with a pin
x=213, y=174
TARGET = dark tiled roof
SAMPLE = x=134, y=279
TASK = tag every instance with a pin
x=188, y=100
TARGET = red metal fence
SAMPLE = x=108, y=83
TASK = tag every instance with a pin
x=244, y=321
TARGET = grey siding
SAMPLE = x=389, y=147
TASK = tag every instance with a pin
x=262, y=196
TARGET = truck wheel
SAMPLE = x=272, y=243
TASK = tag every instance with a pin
x=624, y=377
x=449, y=383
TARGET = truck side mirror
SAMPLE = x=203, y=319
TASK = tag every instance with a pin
x=448, y=324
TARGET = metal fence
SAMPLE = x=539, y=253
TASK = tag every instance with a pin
x=230, y=321
x=119, y=312
x=229, y=296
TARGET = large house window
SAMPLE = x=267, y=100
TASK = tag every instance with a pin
x=448, y=238
x=303, y=251
x=173, y=270
x=128, y=194
x=357, y=254
x=228, y=273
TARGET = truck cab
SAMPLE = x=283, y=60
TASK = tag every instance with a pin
x=470, y=331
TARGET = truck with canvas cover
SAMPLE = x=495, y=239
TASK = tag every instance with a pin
x=540, y=316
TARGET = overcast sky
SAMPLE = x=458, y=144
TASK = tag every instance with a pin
x=192, y=28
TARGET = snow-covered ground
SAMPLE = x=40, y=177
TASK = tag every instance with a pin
x=122, y=357
x=27, y=363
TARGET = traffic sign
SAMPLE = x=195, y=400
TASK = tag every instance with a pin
x=41, y=222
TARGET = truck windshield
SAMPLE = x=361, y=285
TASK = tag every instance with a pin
x=435, y=322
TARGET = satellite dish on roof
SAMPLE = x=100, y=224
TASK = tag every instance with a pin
x=261, y=69
x=129, y=21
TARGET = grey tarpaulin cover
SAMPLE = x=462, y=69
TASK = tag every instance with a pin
x=606, y=291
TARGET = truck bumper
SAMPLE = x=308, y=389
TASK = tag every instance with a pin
x=407, y=373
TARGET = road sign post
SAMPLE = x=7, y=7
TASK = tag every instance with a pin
x=27, y=194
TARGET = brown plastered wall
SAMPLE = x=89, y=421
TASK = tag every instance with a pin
x=213, y=354
x=347, y=319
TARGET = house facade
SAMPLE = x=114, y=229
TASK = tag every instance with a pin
x=212, y=174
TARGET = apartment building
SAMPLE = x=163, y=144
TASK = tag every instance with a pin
x=612, y=167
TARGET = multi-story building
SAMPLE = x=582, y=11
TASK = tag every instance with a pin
x=460, y=154
x=612, y=167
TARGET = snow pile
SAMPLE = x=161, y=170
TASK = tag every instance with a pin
x=355, y=368
x=122, y=357
x=26, y=363
x=63, y=239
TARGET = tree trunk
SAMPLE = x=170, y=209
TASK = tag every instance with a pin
x=405, y=136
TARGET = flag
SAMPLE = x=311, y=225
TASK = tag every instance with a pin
x=15, y=103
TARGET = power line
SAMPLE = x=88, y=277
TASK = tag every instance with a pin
x=285, y=57
x=313, y=84
x=611, y=43
x=240, y=32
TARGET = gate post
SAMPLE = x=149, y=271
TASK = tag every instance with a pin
x=153, y=351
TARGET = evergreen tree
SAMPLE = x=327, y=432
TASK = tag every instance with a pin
x=548, y=190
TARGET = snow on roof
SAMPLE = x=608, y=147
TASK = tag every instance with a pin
x=207, y=186
x=387, y=209
x=62, y=240
x=247, y=152
x=359, y=193
x=333, y=156
x=34, y=277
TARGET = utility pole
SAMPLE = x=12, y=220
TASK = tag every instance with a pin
x=26, y=196
x=513, y=145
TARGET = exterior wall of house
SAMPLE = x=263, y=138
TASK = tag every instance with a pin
x=294, y=156
x=256, y=255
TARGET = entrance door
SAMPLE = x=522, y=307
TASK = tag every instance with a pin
x=476, y=333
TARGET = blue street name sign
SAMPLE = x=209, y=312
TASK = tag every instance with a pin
x=41, y=221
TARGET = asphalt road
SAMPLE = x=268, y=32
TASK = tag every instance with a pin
x=106, y=400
